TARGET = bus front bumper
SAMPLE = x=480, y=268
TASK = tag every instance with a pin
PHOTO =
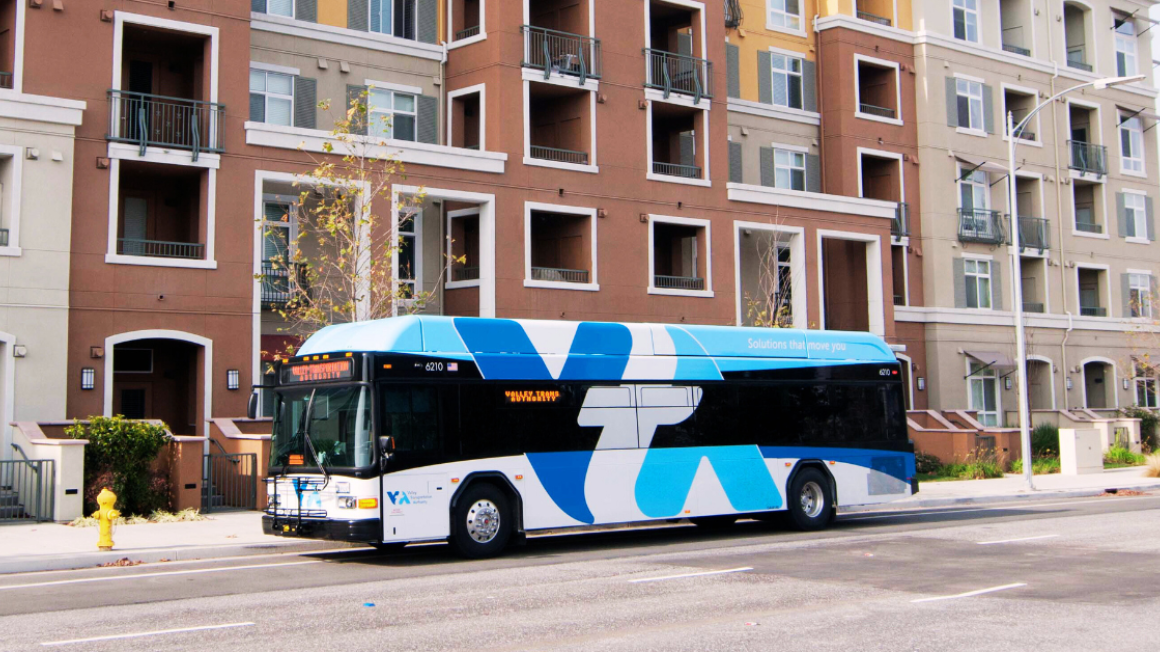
x=360, y=531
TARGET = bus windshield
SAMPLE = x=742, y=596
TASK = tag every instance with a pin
x=339, y=428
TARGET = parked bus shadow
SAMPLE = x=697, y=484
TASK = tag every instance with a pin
x=674, y=536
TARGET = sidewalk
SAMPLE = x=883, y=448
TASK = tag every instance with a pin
x=52, y=546
x=1014, y=488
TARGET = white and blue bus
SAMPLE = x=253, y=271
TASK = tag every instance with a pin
x=478, y=431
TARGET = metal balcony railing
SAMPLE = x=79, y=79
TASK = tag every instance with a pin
x=160, y=249
x=1007, y=47
x=677, y=170
x=3, y=237
x=678, y=73
x=900, y=225
x=559, y=155
x=1031, y=306
x=5, y=80
x=879, y=111
x=899, y=300
x=1089, y=227
x=1033, y=233
x=1087, y=157
x=467, y=33
x=1093, y=311
x=678, y=282
x=1024, y=133
x=873, y=18
x=464, y=273
x=562, y=53
x=983, y=226
x=276, y=281
x=559, y=275
x=154, y=120
x=1079, y=65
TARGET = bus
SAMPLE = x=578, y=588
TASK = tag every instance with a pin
x=478, y=431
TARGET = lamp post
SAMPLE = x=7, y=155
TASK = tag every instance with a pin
x=1017, y=262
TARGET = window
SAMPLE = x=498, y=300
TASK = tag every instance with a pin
x=1125, y=46
x=280, y=8
x=973, y=189
x=408, y=248
x=789, y=169
x=787, y=81
x=970, y=96
x=785, y=13
x=966, y=18
x=680, y=256
x=1145, y=388
x=1131, y=145
x=1140, y=295
x=984, y=393
x=393, y=18
x=977, y=276
x=392, y=114
x=1135, y=216
x=275, y=92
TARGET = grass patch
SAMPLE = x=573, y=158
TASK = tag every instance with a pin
x=980, y=466
x=1039, y=465
x=1121, y=457
x=159, y=516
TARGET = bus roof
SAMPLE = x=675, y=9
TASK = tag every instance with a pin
x=530, y=349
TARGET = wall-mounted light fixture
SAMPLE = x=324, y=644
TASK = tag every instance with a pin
x=233, y=378
x=88, y=378
x=1126, y=383
x=1069, y=383
x=921, y=384
x=1007, y=382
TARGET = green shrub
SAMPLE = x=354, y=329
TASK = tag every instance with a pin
x=1044, y=440
x=926, y=464
x=1121, y=455
x=979, y=466
x=120, y=455
x=1148, y=422
x=1039, y=465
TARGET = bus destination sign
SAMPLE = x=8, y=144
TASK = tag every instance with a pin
x=313, y=372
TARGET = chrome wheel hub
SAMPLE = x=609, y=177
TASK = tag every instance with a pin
x=812, y=499
x=483, y=521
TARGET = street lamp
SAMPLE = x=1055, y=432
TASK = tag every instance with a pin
x=1016, y=258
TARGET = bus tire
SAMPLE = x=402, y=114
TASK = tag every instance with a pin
x=482, y=522
x=809, y=500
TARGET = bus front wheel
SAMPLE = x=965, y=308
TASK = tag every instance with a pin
x=809, y=500
x=483, y=522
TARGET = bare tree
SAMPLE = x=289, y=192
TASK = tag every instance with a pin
x=770, y=305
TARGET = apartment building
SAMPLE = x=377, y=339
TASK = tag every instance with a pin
x=37, y=153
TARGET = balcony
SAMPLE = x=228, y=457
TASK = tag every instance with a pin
x=559, y=275
x=3, y=237
x=1015, y=49
x=678, y=282
x=1093, y=311
x=872, y=18
x=678, y=73
x=464, y=274
x=5, y=80
x=900, y=225
x=1087, y=157
x=154, y=120
x=1078, y=65
x=160, y=249
x=562, y=53
x=881, y=112
x=467, y=33
x=276, y=285
x=677, y=170
x=558, y=155
x=1033, y=233
x=982, y=226
x=1089, y=227
x=1031, y=306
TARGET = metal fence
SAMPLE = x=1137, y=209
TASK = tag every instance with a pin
x=145, y=120
x=1033, y=233
x=560, y=275
x=978, y=225
x=464, y=273
x=877, y=111
x=1087, y=157
x=467, y=33
x=27, y=489
x=873, y=18
x=1093, y=311
x=1089, y=227
x=678, y=282
x=231, y=482
x=678, y=73
x=160, y=249
x=558, y=155
x=677, y=170
x=562, y=53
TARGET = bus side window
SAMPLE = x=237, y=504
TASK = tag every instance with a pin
x=410, y=415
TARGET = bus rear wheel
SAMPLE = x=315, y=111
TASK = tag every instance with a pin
x=482, y=522
x=810, y=500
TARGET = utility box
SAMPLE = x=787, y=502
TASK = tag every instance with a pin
x=1080, y=451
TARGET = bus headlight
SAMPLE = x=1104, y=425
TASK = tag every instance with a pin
x=347, y=502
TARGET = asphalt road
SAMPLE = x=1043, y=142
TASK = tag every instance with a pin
x=1069, y=575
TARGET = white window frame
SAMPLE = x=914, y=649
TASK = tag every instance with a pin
x=1107, y=291
x=293, y=7
x=1126, y=44
x=1140, y=284
x=592, y=167
x=593, y=284
x=451, y=42
x=981, y=378
x=267, y=94
x=875, y=284
x=391, y=33
x=791, y=151
x=961, y=5
x=786, y=72
x=1132, y=165
x=978, y=275
x=1137, y=226
x=451, y=216
x=481, y=89
x=416, y=236
x=771, y=12
x=1034, y=125
x=291, y=225
x=705, y=180
x=706, y=227
x=375, y=114
x=879, y=63
x=794, y=237
x=972, y=97
x=1152, y=398
x=14, y=156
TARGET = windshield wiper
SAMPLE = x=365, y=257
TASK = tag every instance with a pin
x=310, y=442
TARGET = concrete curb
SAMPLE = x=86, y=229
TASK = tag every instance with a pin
x=987, y=500
x=153, y=555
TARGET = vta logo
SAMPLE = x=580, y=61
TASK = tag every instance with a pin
x=398, y=498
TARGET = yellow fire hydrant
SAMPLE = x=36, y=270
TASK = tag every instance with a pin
x=105, y=516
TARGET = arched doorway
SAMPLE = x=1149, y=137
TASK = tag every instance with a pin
x=1099, y=384
x=160, y=374
x=1040, y=383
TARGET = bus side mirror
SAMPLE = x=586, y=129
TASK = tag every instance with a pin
x=387, y=446
x=252, y=407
